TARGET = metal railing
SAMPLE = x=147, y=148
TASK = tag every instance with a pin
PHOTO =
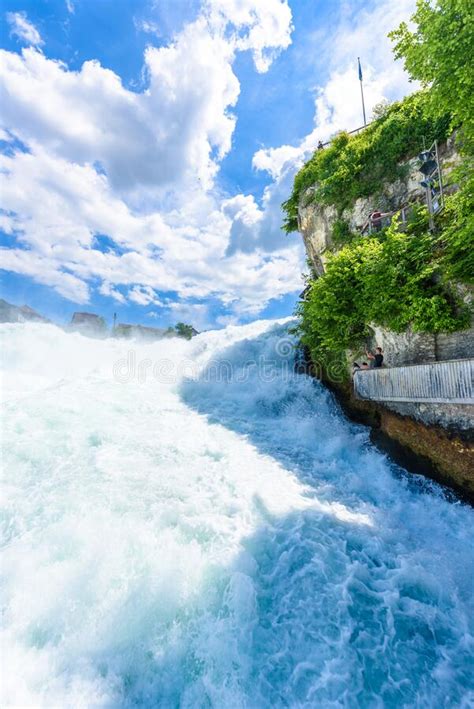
x=349, y=132
x=449, y=382
x=379, y=220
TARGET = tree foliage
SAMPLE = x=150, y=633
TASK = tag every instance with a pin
x=456, y=235
x=184, y=330
x=438, y=52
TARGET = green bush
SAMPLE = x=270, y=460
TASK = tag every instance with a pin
x=456, y=236
x=437, y=48
x=392, y=279
x=341, y=233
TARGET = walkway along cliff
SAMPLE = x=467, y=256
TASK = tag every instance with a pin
x=383, y=272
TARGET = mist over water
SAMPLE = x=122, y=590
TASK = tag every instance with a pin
x=190, y=524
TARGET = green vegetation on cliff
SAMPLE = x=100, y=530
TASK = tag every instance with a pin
x=397, y=279
x=356, y=166
x=393, y=278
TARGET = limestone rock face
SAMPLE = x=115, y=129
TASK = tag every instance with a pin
x=315, y=226
x=315, y=221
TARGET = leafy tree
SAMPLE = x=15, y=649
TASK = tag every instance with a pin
x=456, y=235
x=438, y=52
x=186, y=331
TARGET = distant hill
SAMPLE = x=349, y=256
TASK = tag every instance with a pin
x=15, y=313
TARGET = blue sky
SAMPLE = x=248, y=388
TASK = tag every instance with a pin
x=148, y=144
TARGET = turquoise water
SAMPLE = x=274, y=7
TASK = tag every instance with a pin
x=190, y=524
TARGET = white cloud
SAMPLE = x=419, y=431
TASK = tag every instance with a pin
x=140, y=168
x=111, y=292
x=70, y=7
x=183, y=249
x=143, y=295
x=44, y=271
x=22, y=28
x=147, y=26
x=264, y=26
x=177, y=130
x=163, y=136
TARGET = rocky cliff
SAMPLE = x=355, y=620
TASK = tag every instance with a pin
x=316, y=221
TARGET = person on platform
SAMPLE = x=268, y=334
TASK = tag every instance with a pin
x=376, y=358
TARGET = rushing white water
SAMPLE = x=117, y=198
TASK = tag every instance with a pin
x=206, y=529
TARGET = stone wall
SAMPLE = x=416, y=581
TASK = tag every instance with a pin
x=416, y=348
x=459, y=417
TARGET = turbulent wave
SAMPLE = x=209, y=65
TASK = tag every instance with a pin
x=191, y=524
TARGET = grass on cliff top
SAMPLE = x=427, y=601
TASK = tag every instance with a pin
x=357, y=166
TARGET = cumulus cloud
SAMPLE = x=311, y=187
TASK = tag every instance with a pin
x=143, y=295
x=338, y=102
x=147, y=26
x=158, y=138
x=263, y=26
x=22, y=28
x=111, y=292
x=181, y=250
x=139, y=169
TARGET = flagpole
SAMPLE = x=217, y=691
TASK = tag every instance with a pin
x=362, y=91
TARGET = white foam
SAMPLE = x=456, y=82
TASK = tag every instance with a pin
x=195, y=540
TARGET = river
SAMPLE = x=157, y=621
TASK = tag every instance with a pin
x=191, y=524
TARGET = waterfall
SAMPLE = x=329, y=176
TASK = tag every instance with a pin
x=192, y=524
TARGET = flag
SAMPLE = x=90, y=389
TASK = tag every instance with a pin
x=360, y=69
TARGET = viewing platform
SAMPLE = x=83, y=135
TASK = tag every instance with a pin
x=447, y=382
